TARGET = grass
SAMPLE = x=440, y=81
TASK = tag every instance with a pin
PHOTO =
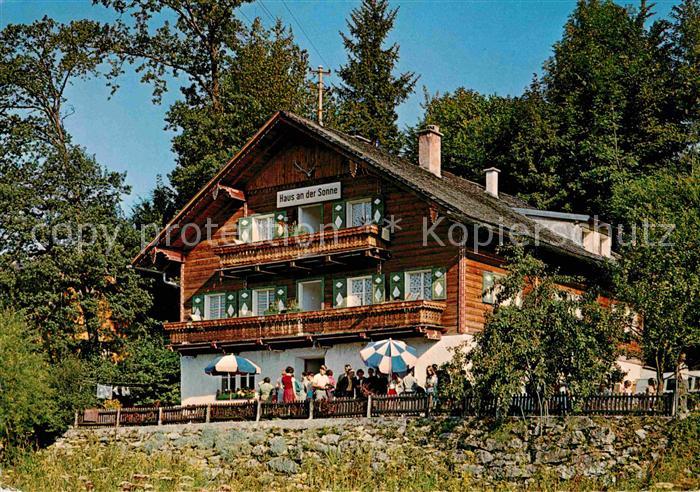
x=410, y=467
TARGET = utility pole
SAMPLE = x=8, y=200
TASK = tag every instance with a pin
x=320, y=73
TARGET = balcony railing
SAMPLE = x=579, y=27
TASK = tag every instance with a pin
x=353, y=320
x=305, y=246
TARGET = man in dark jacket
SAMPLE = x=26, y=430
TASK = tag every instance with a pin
x=346, y=385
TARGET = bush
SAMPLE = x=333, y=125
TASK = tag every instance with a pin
x=27, y=398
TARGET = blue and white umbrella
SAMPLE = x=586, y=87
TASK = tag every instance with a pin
x=389, y=356
x=231, y=364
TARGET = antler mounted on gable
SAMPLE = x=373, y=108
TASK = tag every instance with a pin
x=309, y=172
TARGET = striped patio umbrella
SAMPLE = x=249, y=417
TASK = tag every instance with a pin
x=389, y=356
x=231, y=364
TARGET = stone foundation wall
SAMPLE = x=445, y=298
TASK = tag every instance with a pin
x=517, y=450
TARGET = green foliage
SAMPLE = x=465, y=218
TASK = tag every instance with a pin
x=65, y=243
x=236, y=79
x=369, y=92
x=618, y=100
x=150, y=366
x=26, y=397
x=659, y=271
x=539, y=336
x=268, y=73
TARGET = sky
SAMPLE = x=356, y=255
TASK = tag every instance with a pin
x=492, y=46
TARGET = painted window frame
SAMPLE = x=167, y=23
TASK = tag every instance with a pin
x=349, y=204
x=300, y=289
x=254, y=230
x=207, y=305
x=407, y=284
x=349, y=295
x=310, y=205
x=490, y=296
x=269, y=289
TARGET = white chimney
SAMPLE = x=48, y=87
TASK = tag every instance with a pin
x=429, y=139
x=492, y=181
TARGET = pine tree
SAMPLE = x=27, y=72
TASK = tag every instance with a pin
x=370, y=93
x=236, y=78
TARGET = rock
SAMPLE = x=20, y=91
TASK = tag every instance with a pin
x=283, y=465
x=484, y=457
x=277, y=445
x=381, y=457
x=258, y=450
x=641, y=433
x=330, y=439
x=663, y=485
x=473, y=469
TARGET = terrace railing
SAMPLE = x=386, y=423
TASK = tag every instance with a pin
x=374, y=406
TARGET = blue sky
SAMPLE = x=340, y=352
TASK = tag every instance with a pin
x=490, y=46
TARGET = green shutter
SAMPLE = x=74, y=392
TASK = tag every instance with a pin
x=378, y=288
x=340, y=292
x=231, y=304
x=439, y=289
x=245, y=229
x=281, y=297
x=488, y=280
x=378, y=211
x=339, y=218
x=245, y=302
x=198, y=305
x=280, y=223
x=396, y=286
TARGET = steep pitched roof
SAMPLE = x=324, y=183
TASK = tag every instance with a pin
x=462, y=200
x=466, y=200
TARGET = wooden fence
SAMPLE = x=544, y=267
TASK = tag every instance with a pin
x=375, y=406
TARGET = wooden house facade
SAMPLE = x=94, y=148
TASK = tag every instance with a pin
x=310, y=243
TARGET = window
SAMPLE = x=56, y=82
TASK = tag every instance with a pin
x=419, y=285
x=310, y=295
x=359, y=291
x=490, y=287
x=359, y=213
x=231, y=382
x=263, y=227
x=214, y=306
x=263, y=300
x=310, y=219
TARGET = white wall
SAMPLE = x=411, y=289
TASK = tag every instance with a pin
x=198, y=387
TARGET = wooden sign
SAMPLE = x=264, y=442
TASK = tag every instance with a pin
x=309, y=194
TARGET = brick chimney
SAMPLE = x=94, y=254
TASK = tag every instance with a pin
x=492, y=181
x=429, y=139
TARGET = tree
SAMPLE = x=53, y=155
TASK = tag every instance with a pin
x=268, y=73
x=618, y=100
x=540, y=336
x=236, y=77
x=515, y=134
x=26, y=398
x=66, y=245
x=659, y=270
x=370, y=92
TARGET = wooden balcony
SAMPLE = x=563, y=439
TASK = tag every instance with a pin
x=405, y=318
x=328, y=246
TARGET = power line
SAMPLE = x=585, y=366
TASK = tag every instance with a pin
x=267, y=11
x=308, y=38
